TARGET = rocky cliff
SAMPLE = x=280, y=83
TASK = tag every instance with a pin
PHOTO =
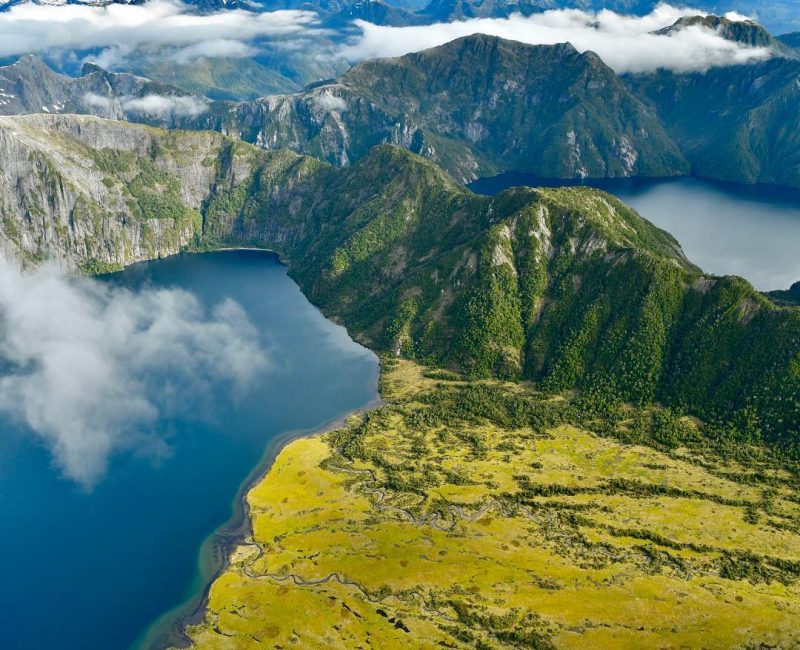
x=101, y=194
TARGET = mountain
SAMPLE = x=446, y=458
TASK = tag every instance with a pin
x=746, y=32
x=100, y=194
x=731, y=122
x=220, y=78
x=449, y=10
x=790, y=296
x=30, y=86
x=567, y=286
x=791, y=40
x=467, y=106
x=481, y=105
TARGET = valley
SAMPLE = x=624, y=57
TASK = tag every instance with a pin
x=585, y=427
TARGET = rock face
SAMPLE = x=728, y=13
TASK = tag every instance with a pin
x=475, y=106
x=101, y=194
x=30, y=86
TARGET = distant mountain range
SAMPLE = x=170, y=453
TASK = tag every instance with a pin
x=479, y=105
x=278, y=67
x=482, y=105
x=792, y=40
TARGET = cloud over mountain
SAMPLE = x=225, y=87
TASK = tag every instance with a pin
x=626, y=43
x=91, y=368
x=119, y=28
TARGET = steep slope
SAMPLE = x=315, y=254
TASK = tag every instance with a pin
x=746, y=32
x=467, y=106
x=733, y=123
x=100, y=194
x=568, y=286
x=30, y=86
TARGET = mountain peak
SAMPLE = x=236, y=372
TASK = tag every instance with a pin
x=31, y=62
x=90, y=68
x=479, y=40
x=745, y=32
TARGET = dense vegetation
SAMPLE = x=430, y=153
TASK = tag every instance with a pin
x=731, y=122
x=567, y=287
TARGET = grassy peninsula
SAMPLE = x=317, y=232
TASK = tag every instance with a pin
x=487, y=514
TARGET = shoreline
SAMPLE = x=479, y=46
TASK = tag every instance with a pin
x=169, y=630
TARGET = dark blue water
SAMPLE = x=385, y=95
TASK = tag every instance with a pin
x=726, y=229
x=92, y=570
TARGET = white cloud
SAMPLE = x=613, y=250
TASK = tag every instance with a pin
x=83, y=355
x=97, y=101
x=165, y=105
x=160, y=106
x=325, y=102
x=737, y=17
x=27, y=28
x=624, y=42
x=216, y=48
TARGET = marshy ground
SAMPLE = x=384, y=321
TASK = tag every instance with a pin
x=488, y=515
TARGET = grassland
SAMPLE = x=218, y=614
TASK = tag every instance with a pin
x=487, y=515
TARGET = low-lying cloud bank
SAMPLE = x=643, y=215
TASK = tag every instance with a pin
x=160, y=106
x=178, y=33
x=624, y=42
x=120, y=28
x=92, y=369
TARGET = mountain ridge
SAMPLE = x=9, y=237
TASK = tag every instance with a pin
x=571, y=116
x=582, y=122
x=568, y=287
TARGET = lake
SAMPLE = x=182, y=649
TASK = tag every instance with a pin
x=93, y=569
x=726, y=229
